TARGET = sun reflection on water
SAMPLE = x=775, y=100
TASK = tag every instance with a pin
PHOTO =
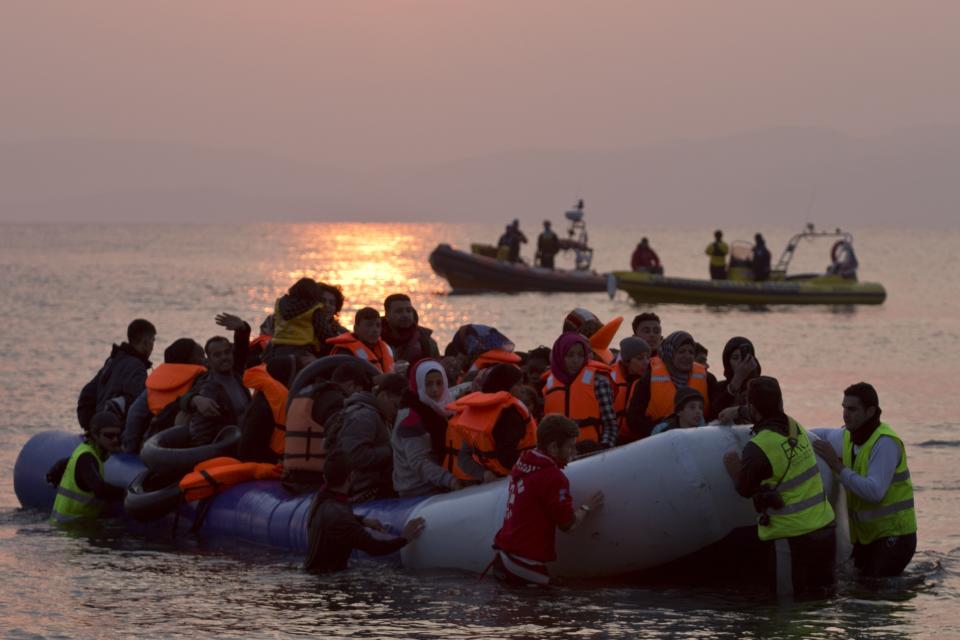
x=368, y=261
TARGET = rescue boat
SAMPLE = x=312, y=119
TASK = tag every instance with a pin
x=666, y=497
x=474, y=272
x=838, y=286
x=486, y=267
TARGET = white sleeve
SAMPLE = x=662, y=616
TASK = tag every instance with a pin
x=833, y=436
x=883, y=462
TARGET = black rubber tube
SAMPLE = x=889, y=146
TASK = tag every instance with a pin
x=151, y=496
x=169, y=453
x=323, y=368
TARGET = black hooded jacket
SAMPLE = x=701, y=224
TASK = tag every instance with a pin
x=124, y=374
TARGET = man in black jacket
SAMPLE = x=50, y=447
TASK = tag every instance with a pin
x=334, y=531
x=219, y=397
x=123, y=375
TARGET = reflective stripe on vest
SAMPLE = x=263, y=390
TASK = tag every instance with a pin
x=663, y=391
x=895, y=514
x=796, y=478
x=72, y=502
x=579, y=401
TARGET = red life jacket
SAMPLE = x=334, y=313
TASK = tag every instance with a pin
x=380, y=356
x=475, y=416
x=258, y=379
x=579, y=401
x=168, y=382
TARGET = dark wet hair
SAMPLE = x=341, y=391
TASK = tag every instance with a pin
x=644, y=317
x=555, y=428
x=352, y=372
x=336, y=468
x=764, y=395
x=181, y=351
x=212, y=341
x=865, y=393
x=283, y=369
x=140, y=328
x=395, y=297
x=337, y=293
x=367, y=313
x=306, y=289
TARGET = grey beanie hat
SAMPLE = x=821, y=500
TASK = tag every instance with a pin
x=632, y=347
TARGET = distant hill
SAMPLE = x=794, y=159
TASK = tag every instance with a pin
x=789, y=175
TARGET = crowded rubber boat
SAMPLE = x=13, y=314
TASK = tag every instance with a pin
x=584, y=460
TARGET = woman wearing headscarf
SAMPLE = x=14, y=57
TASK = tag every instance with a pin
x=419, y=436
x=740, y=365
x=674, y=369
x=580, y=389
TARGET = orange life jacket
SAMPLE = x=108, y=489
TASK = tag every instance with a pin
x=621, y=390
x=494, y=357
x=258, y=379
x=472, y=424
x=304, y=448
x=212, y=476
x=168, y=382
x=381, y=356
x=579, y=401
x=662, y=389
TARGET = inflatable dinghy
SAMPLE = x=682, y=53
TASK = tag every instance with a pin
x=666, y=497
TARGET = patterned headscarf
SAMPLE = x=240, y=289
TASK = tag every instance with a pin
x=668, y=349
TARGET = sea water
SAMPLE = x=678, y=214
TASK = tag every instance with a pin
x=68, y=292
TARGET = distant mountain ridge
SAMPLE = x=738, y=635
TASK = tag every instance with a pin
x=785, y=175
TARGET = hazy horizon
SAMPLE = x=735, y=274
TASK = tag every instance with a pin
x=352, y=110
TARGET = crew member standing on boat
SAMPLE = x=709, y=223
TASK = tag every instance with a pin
x=511, y=239
x=873, y=469
x=718, y=250
x=778, y=469
x=539, y=502
x=548, y=245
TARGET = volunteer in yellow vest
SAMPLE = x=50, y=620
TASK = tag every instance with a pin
x=81, y=491
x=674, y=369
x=718, y=250
x=778, y=469
x=873, y=469
x=490, y=428
x=365, y=342
x=580, y=389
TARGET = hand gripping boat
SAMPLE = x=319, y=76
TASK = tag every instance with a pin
x=667, y=497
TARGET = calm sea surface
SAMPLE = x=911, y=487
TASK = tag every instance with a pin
x=68, y=291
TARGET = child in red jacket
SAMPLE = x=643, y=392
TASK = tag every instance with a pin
x=539, y=502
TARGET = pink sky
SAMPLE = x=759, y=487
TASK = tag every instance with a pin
x=359, y=84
